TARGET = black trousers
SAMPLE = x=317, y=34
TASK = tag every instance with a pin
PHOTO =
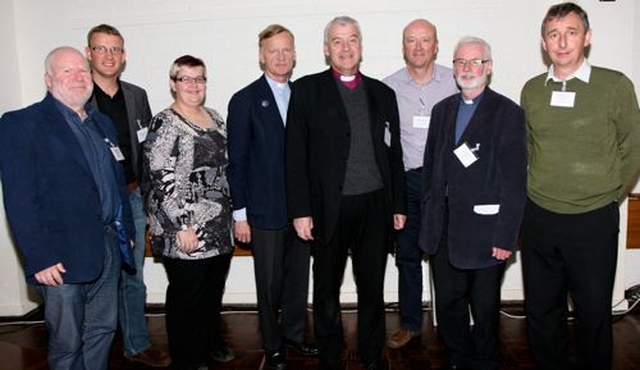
x=475, y=347
x=193, y=304
x=361, y=230
x=281, y=266
x=573, y=254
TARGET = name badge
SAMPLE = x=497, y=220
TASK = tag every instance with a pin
x=117, y=154
x=563, y=99
x=142, y=134
x=387, y=134
x=421, y=121
x=465, y=155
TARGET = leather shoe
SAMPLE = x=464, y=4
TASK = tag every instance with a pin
x=222, y=354
x=401, y=337
x=305, y=349
x=152, y=357
x=275, y=360
x=324, y=364
x=455, y=367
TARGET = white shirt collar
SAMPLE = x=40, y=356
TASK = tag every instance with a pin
x=583, y=73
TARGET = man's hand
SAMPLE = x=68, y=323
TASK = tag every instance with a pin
x=399, y=220
x=51, y=276
x=187, y=240
x=303, y=226
x=242, y=231
x=500, y=254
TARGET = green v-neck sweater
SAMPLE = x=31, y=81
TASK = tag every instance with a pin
x=585, y=157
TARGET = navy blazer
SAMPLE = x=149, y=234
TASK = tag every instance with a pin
x=486, y=200
x=51, y=199
x=317, y=146
x=255, y=136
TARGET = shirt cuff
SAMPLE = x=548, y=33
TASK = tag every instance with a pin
x=240, y=214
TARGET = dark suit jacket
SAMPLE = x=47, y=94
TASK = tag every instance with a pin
x=51, y=199
x=497, y=181
x=317, y=148
x=138, y=113
x=255, y=135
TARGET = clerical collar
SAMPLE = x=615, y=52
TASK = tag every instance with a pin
x=350, y=82
x=473, y=101
x=276, y=84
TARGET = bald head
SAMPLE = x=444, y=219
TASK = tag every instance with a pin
x=420, y=24
x=420, y=44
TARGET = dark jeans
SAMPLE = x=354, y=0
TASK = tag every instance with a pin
x=82, y=318
x=409, y=256
x=133, y=292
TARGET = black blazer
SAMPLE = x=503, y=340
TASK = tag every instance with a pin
x=51, y=199
x=255, y=173
x=486, y=199
x=317, y=148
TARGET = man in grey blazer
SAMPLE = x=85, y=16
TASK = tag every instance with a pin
x=473, y=201
x=128, y=107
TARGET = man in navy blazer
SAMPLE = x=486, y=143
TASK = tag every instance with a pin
x=345, y=188
x=256, y=127
x=67, y=207
x=473, y=202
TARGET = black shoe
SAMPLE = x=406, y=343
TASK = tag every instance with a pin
x=377, y=365
x=275, y=360
x=455, y=367
x=305, y=349
x=327, y=365
x=222, y=354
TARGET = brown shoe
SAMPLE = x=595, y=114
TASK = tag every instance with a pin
x=401, y=337
x=153, y=357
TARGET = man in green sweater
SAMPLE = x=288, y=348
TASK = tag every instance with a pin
x=583, y=128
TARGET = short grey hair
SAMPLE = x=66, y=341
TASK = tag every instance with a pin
x=474, y=40
x=342, y=20
x=48, y=60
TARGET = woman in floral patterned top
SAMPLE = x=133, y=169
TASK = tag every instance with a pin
x=190, y=215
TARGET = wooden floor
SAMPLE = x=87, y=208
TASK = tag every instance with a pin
x=23, y=345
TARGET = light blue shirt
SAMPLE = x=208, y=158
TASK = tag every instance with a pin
x=282, y=93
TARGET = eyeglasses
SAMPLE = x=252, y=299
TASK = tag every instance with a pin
x=115, y=50
x=470, y=62
x=188, y=80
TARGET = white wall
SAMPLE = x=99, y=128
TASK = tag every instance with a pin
x=224, y=34
x=14, y=296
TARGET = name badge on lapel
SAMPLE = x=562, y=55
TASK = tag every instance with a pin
x=142, y=132
x=387, y=134
x=466, y=155
x=115, y=150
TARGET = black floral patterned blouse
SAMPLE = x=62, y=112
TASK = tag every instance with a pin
x=186, y=167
